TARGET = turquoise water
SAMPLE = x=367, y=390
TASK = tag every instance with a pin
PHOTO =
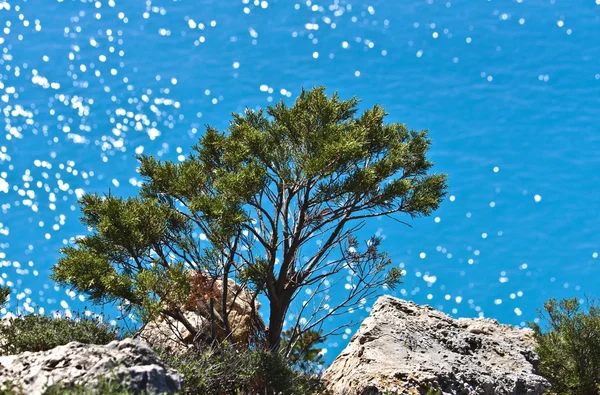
x=510, y=91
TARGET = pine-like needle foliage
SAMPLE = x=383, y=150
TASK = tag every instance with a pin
x=569, y=347
x=251, y=203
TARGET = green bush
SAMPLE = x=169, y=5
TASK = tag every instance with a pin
x=225, y=370
x=304, y=354
x=569, y=347
x=104, y=386
x=41, y=333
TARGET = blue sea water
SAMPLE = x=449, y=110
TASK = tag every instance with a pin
x=509, y=90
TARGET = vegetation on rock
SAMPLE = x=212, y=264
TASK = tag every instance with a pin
x=226, y=370
x=104, y=387
x=41, y=333
x=569, y=346
x=33, y=332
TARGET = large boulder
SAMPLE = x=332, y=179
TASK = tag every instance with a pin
x=130, y=362
x=172, y=335
x=404, y=348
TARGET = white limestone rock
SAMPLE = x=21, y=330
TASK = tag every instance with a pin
x=404, y=348
x=128, y=361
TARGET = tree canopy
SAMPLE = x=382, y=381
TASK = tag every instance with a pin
x=274, y=202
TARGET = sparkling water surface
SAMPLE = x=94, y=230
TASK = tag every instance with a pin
x=509, y=90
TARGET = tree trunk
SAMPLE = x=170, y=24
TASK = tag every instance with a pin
x=276, y=317
x=225, y=306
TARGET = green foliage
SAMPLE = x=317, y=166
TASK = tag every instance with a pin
x=301, y=349
x=123, y=259
x=4, y=293
x=105, y=386
x=261, y=192
x=41, y=333
x=433, y=391
x=10, y=388
x=569, y=347
x=226, y=370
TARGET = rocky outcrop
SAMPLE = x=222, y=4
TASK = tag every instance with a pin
x=172, y=335
x=130, y=362
x=404, y=348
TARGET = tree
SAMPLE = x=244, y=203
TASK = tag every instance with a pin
x=569, y=347
x=249, y=203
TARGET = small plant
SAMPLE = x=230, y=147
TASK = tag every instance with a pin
x=41, y=333
x=569, y=347
x=104, y=386
x=301, y=350
x=225, y=370
x=10, y=388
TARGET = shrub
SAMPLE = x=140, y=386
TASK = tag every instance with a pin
x=104, y=386
x=41, y=333
x=301, y=349
x=569, y=347
x=226, y=370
